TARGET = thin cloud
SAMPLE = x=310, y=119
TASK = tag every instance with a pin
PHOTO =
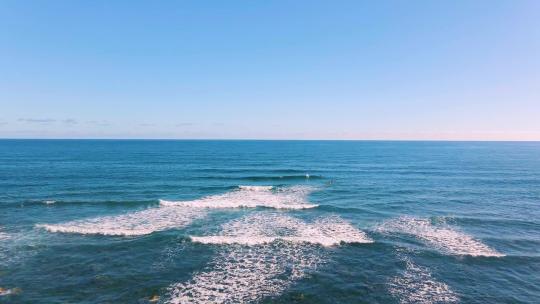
x=184, y=124
x=102, y=123
x=36, y=120
x=147, y=125
x=69, y=121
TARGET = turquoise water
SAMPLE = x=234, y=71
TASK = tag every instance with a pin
x=331, y=222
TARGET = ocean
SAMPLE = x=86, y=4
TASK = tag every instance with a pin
x=195, y=221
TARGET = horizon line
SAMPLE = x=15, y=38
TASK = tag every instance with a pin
x=277, y=139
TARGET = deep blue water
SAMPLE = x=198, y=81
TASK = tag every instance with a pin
x=389, y=222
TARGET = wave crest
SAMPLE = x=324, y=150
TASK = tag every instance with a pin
x=179, y=214
x=256, y=188
x=252, y=197
x=267, y=228
x=131, y=224
x=442, y=237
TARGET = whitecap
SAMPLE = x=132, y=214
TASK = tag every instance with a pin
x=442, y=237
x=252, y=197
x=256, y=188
x=130, y=224
x=49, y=202
x=417, y=285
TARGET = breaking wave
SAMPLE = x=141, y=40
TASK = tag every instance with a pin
x=266, y=228
x=264, y=259
x=252, y=197
x=256, y=188
x=442, y=237
x=179, y=214
x=417, y=285
x=131, y=224
x=281, y=177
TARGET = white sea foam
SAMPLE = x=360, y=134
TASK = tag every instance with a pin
x=245, y=274
x=179, y=214
x=136, y=223
x=16, y=246
x=442, y=237
x=251, y=197
x=417, y=285
x=4, y=254
x=265, y=254
x=266, y=228
x=256, y=188
x=4, y=236
x=49, y=202
x=10, y=252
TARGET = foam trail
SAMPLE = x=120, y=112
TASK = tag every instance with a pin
x=4, y=254
x=442, y=237
x=130, y=224
x=417, y=285
x=49, y=202
x=252, y=197
x=16, y=246
x=270, y=252
x=242, y=274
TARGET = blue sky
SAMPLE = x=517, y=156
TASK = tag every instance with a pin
x=270, y=69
